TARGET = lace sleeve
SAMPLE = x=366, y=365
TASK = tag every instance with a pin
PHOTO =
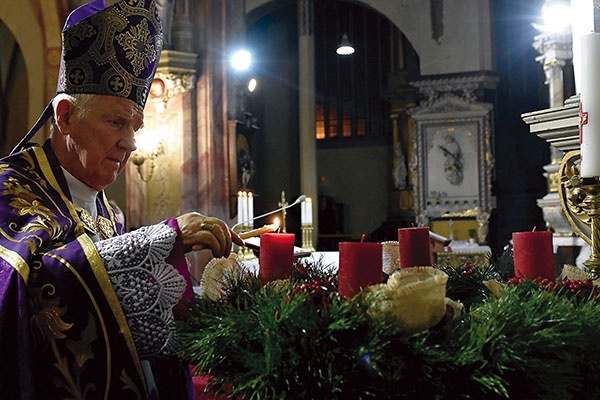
x=146, y=285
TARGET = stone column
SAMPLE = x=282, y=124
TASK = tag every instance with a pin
x=306, y=85
x=555, y=49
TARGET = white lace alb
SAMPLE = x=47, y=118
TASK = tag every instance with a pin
x=146, y=285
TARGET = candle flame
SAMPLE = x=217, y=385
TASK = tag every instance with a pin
x=276, y=223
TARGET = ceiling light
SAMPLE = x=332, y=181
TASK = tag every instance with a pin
x=345, y=48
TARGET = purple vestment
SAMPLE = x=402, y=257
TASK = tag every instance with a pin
x=63, y=332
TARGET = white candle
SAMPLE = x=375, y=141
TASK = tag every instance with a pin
x=240, y=207
x=582, y=23
x=244, y=208
x=309, y=216
x=303, y=213
x=589, y=136
x=250, y=210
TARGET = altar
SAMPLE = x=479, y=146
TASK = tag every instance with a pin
x=460, y=252
x=328, y=259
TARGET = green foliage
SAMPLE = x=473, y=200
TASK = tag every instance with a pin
x=277, y=342
x=466, y=283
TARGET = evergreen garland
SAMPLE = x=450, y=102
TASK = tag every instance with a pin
x=299, y=339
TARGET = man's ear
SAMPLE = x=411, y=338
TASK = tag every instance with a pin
x=64, y=113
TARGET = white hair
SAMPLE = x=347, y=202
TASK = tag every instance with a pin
x=81, y=101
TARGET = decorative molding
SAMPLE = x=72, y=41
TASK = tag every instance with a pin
x=555, y=49
x=467, y=88
x=558, y=126
x=452, y=108
x=177, y=69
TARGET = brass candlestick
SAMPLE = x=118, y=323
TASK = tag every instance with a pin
x=307, y=242
x=243, y=252
x=580, y=202
x=283, y=203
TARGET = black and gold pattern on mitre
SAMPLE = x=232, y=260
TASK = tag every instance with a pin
x=114, y=51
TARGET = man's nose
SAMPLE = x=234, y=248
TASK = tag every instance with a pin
x=128, y=142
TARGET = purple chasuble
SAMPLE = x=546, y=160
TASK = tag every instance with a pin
x=63, y=333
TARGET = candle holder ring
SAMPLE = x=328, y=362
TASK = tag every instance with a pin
x=580, y=202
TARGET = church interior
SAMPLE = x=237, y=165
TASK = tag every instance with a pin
x=425, y=124
x=419, y=146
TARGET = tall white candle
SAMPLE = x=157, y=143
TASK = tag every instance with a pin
x=589, y=136
x=309, y=211
x=250, y=209
x=244, y=208
x=303, y=213
x=240, y=208
x=582, y=23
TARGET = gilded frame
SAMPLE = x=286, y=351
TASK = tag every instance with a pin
x=436, y=193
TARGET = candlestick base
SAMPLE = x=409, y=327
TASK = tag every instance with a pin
x=580, y=201
x=243, y=252
x=307, y=241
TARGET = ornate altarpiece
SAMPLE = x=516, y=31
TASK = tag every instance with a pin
x=452, y=160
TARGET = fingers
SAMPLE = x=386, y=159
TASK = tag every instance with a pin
x=200, y=232
x=236, y=238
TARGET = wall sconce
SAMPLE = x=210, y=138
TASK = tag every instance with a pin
x=149, y=147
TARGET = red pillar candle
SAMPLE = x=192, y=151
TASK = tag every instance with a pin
x=276, y=256
x=533, y=255
x=414, y=247
x=359, y=267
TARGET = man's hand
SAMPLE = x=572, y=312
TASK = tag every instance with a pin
x=200, y=232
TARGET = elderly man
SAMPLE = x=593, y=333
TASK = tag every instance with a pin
x=87, y=311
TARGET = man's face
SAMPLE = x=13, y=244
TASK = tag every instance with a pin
x=99, y=142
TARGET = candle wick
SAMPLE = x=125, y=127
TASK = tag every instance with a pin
x=533, y=230
x=362, y=238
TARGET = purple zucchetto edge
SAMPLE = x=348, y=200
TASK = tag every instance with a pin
x=83, y=12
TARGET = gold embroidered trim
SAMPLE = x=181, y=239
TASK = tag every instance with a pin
x=86, y=218
x=101, y=225
x=16, y=261
x=95, y=304
x=105, y=227
x=47, y=172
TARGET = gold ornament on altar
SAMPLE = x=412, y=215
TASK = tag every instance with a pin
x=414, y=298
x=216, y=276
x=580, y=202
x=390, y=256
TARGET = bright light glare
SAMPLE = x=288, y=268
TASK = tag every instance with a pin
x=252, y=85
x=241, y=60
x=556, y=17
x=148, y=141
x=345, y=50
